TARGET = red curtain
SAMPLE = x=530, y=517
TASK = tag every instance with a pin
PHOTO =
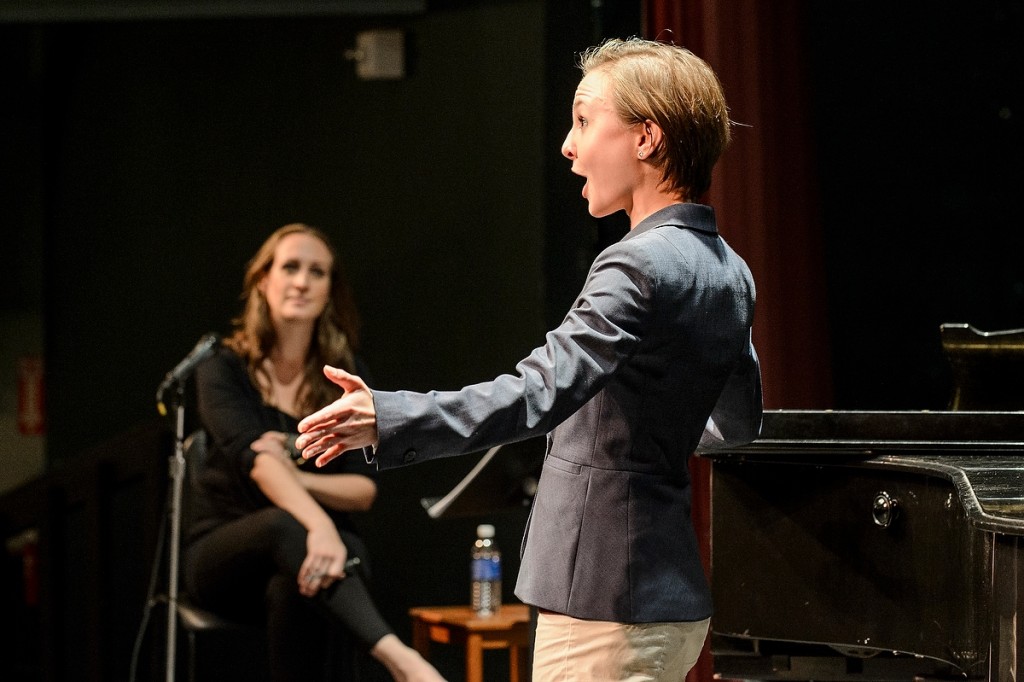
x=763, y=190
x=765, y=197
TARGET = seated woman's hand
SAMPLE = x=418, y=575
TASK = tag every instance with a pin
x=324, y=562
x=273, y=443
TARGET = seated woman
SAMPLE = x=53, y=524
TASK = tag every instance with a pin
x=270, y=535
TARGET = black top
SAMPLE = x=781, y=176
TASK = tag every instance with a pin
x=233, y=414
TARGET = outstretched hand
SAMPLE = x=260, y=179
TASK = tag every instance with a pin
x=348, y=423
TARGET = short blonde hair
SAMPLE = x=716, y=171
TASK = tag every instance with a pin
x=678, y=91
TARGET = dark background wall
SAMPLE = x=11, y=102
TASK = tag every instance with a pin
x=146, y=160
x=150, y=159
x=178, y=146
x=917, y=120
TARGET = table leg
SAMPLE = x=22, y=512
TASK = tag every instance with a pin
x=421, y=638
x=474, y=659
x=518, y=664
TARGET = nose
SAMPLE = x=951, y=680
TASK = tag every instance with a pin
x=301, y=279
x=567, y=147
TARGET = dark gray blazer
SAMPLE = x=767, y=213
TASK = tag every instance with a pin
x=657, y=343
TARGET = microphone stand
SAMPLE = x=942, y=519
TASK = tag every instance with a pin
x=177, y=472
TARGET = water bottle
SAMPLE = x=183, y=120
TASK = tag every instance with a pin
x=486, y=572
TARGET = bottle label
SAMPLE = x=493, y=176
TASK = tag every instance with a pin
x=487, y=569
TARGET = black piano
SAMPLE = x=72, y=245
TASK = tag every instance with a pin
x=860, y=545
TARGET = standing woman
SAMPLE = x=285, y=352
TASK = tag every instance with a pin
x=653, y=360
x=270, y=535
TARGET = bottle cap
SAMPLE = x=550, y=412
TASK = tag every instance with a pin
x=485, y=530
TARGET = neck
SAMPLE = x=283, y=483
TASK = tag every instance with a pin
x=650, y=205
x=285, y=367
x=651, y=195
x=291, y=349
x=293, y=340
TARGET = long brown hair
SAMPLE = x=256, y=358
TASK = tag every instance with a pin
x=335, y=340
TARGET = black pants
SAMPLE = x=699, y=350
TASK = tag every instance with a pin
x=247, y=570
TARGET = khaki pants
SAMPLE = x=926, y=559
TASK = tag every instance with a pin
x=572, y=650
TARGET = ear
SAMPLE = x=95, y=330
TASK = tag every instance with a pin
x=651, y=136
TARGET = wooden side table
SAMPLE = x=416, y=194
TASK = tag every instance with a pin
x=508, y=629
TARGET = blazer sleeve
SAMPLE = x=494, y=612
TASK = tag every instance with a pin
x=600, y=332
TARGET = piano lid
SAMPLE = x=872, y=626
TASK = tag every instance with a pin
x=873, y=432
x=982, y=453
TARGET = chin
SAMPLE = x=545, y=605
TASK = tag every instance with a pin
x=295, y=318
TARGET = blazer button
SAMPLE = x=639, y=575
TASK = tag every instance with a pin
x=410, y=456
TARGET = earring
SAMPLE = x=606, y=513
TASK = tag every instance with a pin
x=640, y=155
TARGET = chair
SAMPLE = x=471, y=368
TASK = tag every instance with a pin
x=988, y=367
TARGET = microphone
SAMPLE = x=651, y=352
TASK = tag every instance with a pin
x=183, y=370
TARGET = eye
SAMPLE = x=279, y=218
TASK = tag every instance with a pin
x=290, y=266
x=318, y=272
x=581, y=121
